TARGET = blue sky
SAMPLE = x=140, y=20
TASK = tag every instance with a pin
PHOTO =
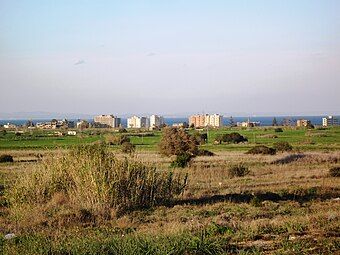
x=170, y=57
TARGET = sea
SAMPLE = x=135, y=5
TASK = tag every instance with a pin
x=264, y=121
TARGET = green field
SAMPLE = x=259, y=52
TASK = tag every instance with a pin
x=302, y=139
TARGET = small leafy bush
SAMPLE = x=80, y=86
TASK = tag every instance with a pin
x=6, y=158
x=334, y=171
x=128, y=147
x=181, y=160
x=261, y=149
x=283, y=146
x=278, y=130
x=238, y=170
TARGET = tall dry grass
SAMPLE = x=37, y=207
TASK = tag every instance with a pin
x=92, y=177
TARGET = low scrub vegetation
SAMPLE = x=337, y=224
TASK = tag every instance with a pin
x=128, y=147
x=230, y=138
x=182, y=160
x=278, y=130
x=116, y=139
x=207, y=153
x=282, y=146
x=201, y=138
x=334, y=171
x=261, y=149
x=91, y=176
x=6, y=158
x=238, y=170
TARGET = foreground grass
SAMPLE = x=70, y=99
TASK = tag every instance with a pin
x=278, y=208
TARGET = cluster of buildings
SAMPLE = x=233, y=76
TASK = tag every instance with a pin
x=248, y=123
x=157, y=121
x=55, y=124
x=206, y=120
x=152, y=122
x=326, y=122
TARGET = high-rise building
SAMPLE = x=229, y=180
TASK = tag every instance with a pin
x=137, y=122
x=330, y=121
x=156, y=121
x=109, y=120
x=212, y=120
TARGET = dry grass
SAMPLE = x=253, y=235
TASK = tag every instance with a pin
x=286, y=208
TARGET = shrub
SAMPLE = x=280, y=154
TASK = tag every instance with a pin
x=181, y=160
x=261, y=149
x=6, y=158
x=128, y=147
x=201, y=138
x=334, y=171
x=278, y=130
x=176, y=141
x=238, y=170
x=310, y=126
x=116, y=139
x=92, y=177
x=122, y=130
x=282, y=146
x=230, y=138
x=205, y=153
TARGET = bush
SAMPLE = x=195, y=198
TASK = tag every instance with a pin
x=261, y=149
x=278, y=130
x=238, y=170
x=334, y=171
x=205, y=153
x=116, y=139
x=176, y=141
x=181, y=160
x=93, y=178
x=201, y=138
x=128, y=147
x=282, y=146
x=231, y=138
x=6, y=158
x=122, y=130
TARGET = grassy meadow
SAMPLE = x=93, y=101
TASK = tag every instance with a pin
x=58, y=200
x=304, y=139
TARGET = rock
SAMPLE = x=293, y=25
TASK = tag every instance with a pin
x=9, y=236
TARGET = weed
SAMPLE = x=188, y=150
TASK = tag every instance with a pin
x=6, y=158
x=334, y=171
x=238, y=170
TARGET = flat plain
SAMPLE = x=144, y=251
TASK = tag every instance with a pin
x=286, y=203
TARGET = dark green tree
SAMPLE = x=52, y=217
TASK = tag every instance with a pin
x=274, y=122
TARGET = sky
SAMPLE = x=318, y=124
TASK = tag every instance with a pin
x=170, y=57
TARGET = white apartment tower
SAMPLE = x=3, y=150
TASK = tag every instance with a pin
x=156, y=121
x=137, y=122
x=109, y=120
